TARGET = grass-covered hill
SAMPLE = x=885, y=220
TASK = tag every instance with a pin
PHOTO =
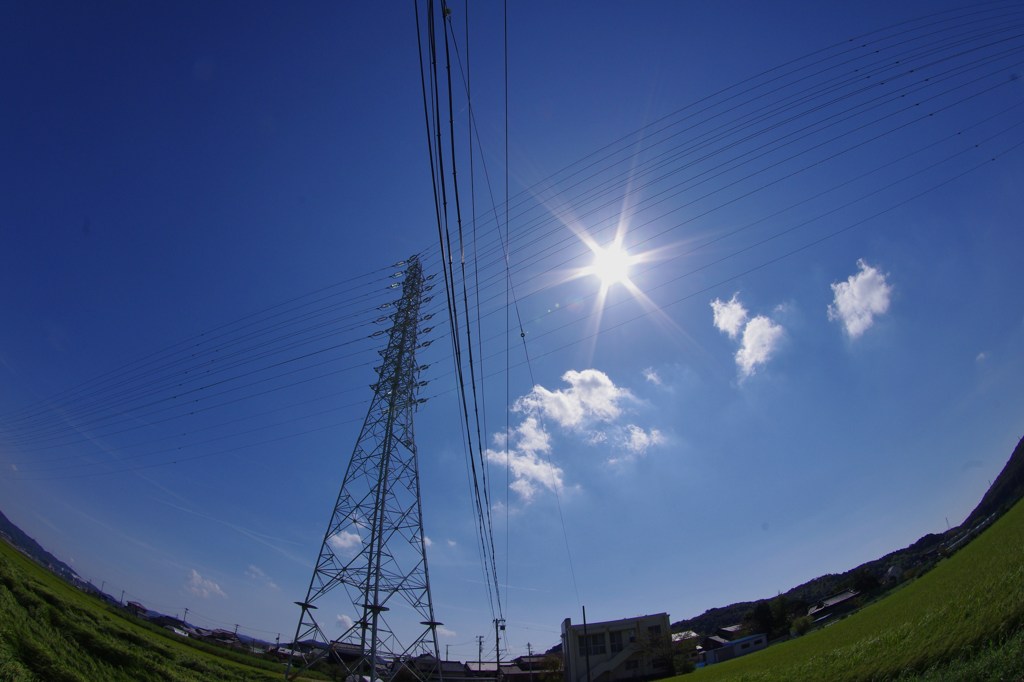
x=1005, y=491
x=873, y=576
x=53, y=632
x=18, y=538
x=963, y=620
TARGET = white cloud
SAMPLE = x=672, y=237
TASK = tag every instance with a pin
x=345, y=541
x=859, y=299
x=760, y=335
x=201, y=587
x=981, y=357
x=591, y=396
x=652, y=376
x=761, y=338
x=452, y=543
x=343, y=621
x=256, y=573
x=635, y=441
x=442, y=631
x=588, y=409
x=525, y=462
x=427, y=541
x=638, y=441
x=730, y=316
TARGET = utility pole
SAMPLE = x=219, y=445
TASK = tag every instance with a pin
x=586, y=641
x=529, y=653
x=122, y=598
x=374, y=547
x=479, y=653
x=185, y=619
x=499, y=625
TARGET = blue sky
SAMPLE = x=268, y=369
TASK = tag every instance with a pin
x=811, y=363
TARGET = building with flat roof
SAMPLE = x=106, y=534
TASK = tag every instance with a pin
x=637, y=648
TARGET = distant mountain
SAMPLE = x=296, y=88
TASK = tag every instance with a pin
x=892, y=568
x=19, y=540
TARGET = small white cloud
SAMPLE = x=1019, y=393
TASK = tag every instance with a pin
x=525, y=462
x=638, y=441
x=761, y=338
x=201, y=587
x=729, y=316
x=344, y=622
x=256, y=573
x=635, y=441
x=14, y=467
x=345, y=541
x=652, y=376
x=588, y=409
x=452, y=543
x=591, y=396
x=859, y=299
x=442, y=631
x=760, y=335
x=982, y=357
x=427, y=541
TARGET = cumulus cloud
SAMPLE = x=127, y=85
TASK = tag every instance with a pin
x=859, y=299
x=427, y=541
x=201, y=587
x=588, y=409
x=345, y=541
x=652, y=376
x=730, y=316
x=525, y=460
x=256, y=573
x=452, y=543
x=344, y=622
x=761, y=338
x=638, y=441
x=591, y=396
x=634, y=442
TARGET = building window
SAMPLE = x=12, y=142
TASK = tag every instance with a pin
x=615, y=641
x=596, y=644
x=654, y=630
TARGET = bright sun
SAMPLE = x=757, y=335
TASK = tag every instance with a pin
x=611, y=265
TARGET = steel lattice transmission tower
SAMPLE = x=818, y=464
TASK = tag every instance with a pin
x=374, y=549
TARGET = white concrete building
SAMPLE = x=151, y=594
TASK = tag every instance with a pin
x=628, y=649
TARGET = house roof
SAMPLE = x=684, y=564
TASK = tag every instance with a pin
x=832, y=601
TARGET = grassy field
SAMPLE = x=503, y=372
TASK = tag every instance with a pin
x=964, y=620
x=51, y=632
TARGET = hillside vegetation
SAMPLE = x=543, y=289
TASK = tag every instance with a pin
x=964, y=620
x=52, y=632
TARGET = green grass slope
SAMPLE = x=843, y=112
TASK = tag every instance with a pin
x=964, y=620
x=51, y=632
